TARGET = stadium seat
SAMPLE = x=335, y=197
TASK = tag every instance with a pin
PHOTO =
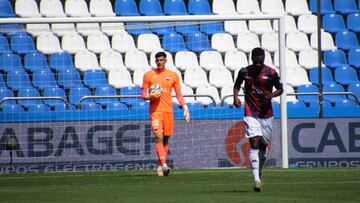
x=198, y=42
x=260, y=26
x=98, y=42
x=6, y=10
x=195, y=77
x=315, y=104
x=95, y=79
x=346, y=40
x=207, y=90
x=138, y=28
x=2, y=81
x=48, y=43
x=307, y=89
x=186, y=90
x=76, y=8
x=52, y=8
x=235, y=59
x=54, y=92
x=272, y=7
x=136, y=59
x=173, y=42
x=169, y=61
x=228, y=90
x=126, y=8
x=62, y=29
x=297, y=7
x=354, y=58
x=210, y=60
x=69, y=78
x=76, y=93
x=89, y=106
x=223, y=7
x=126, y=91
x=345, y=103
x=123, y=42
x=86, y=29
x=5, y=92
x=73, y=43
x=111, y=29
x=18, y=79
x=296, y=76
x=222, y=42
x=61, y=60
x=38, y=108
x=327, y=77
x=43, y=79
x=105, y=91
x=10, y=62
x=307, y=23
x=186, y=59
x=220, y=77
x=327, y=42
x=334, y=88
x=12, y=29
x=345, y=6
x=38, y=29
x=101, y=8
x=353, y=22
x=355, y=89
x=270, y=42
x=117, y=106
x=346, y=75
x=28, y=92
x=138, y=76
x=290, y=24
x=11, y=108
x=333, y=23
x=64, y=107
x=119, y=78
x=22, y=44
x=148, y=43
x=297, y=41
x=289, y=98
x=296, y=105
x=235, y=27
x=199, y=7
x=186, y=28
x=162, y=28
x=4, y=45
x=308, y=58
x=210, y=28
x=150, y=8
x=291, y=59
x=326, y=7
x=27, y=8
x=86, y=60
x=248, y=7
x=111, y=60
x=334, y=58
x=247, y=41
x=175, y=7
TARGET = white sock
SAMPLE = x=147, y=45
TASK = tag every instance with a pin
x=254, y=159
x=262, y=158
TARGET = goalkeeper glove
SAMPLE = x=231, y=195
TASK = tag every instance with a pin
x=186, y=113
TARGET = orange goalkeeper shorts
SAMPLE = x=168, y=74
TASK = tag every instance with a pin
x=162, y=122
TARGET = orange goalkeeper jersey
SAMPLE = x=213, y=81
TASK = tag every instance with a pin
x=167, y=80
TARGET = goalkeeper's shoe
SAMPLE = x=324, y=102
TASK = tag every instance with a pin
x=258, y=186
x=159, y=171
x=166, y=170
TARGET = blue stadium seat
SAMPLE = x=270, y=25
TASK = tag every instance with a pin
x=38, y=108
x=4, y=45
x=354, y=58
x=198, y=42
x=64, y=107
x=186, y=28
x=210, y=28
x=175, y=7
x=346, y=40
x=307, y=89
x=76, y=93
x=126, y=8
x=354, y=88
x=6, y=10
x=346, y=75
x=130, y=91
x=116, y=106
x=12, y=108
x=195, y=106
x=5, y=92
x=162, y=28
x=90, y=106
x=199, y=7
x=22, y=44
x=327, y=77
x=95, y=78
x=54, y=92
x=29, y=92
x=69, y=78
x=315, y=104
x=18, y=79
x=2, y=81
x=173, y=42
x=296, y=105
x=43, y=79
x=333, y=23
x=333, y=58
x=35, y=61
x=326, y=6
x=61, y=60
x=345, y=103
x=10, y=62
x=106, y=91
x=12, y=29
x=345, y=6
x=138, y=28
x=333, y=88
x=150, y=8
x=143, y=105
x=353, y=22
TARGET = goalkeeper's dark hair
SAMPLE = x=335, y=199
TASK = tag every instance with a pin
x=258, y=52
x=160, y=54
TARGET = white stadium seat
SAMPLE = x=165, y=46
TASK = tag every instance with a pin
x=38, y=29
x=291, y=60
x=220, y=77
x=148, y=43
x=27, y=8
x=61, y=29
x=307, y=23
x=48, y=43
x=120, y=78
x=111, y=29
x=235, y=59
x=73, y=43
x=289, y=98
x=207, y=90
x=86, y=60
x=98, y=43
x=76, y=8
x=297, y=41
x=296, y=76
x=290, y=24
x=308, y=58
x=101, y=8
x=222, y=42
x=52, y=8
x=186, y=59
x=247, y=41
x=270, y=42
x=136, y=60
x=195, y=77
x=223, y=7
x=111, y=60
x=235, y=27
x=185, y=90
x=248, y=7
x=86, y=29
x=210, y=60
x=123, y=42
x=272, y=7
x=297, y=7
x=228, y=90
x=138, y=76
x=327, y=41
x=260, y=26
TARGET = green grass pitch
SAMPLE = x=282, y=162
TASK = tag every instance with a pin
x=184, y=185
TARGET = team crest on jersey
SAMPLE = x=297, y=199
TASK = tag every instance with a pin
x=167, y=78
x=265, y=77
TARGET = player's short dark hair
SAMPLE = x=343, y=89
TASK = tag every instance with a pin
x=258, y=52
x=160, y=54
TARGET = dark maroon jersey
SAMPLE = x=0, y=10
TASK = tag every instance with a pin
x=256, y=84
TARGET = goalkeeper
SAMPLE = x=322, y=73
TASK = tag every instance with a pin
x=161, y=107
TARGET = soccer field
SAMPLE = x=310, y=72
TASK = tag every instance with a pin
x=214, y=185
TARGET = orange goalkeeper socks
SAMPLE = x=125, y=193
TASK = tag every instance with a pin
x=161, y=153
